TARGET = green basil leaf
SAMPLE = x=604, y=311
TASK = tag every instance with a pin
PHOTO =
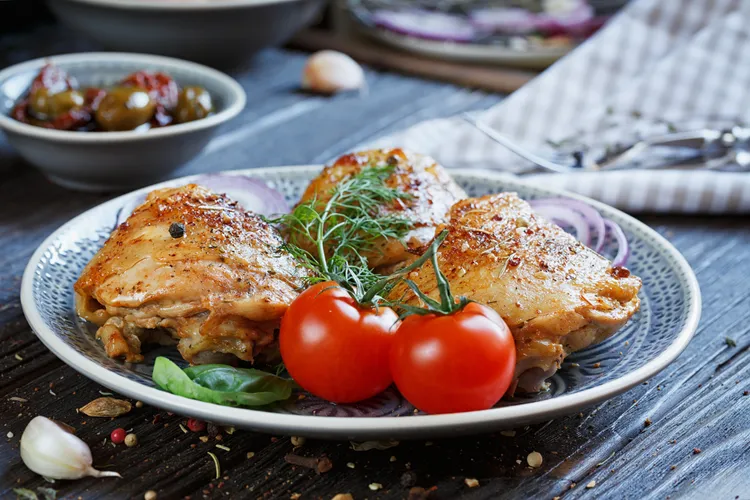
x=229, y=379
x=221, y=384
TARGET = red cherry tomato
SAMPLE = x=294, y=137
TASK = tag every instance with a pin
x=452, y=363
x=333, y=347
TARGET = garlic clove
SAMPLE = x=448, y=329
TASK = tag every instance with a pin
x=328, y=72
x=51, y=451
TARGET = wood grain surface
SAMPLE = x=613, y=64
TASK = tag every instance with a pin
x=696, y=446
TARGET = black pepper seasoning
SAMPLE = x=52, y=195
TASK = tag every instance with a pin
x=177, y=230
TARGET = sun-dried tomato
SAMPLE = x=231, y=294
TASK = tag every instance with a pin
x=162, y=88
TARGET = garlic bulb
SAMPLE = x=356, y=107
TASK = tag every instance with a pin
x=329, y=72
x=51, y=451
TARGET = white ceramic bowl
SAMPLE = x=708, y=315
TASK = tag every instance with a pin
x=103, y=161
x=221, y=33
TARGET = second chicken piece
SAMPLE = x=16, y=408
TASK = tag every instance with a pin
x=556, y=295
x=430, y=190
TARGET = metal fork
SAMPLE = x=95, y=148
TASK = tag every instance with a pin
x=710, y=150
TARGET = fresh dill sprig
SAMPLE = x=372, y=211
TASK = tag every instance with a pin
x=332, y=236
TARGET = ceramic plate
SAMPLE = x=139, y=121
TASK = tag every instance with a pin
x=528, y=57
x=655, y=336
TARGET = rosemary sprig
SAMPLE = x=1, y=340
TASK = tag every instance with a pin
x=339, y=231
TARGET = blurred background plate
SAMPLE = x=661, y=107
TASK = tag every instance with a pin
x=220, y=33
x=522, y=33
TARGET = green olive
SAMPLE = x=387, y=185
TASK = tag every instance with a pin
x=125, y=108
x=193, y=103
x=46, y=106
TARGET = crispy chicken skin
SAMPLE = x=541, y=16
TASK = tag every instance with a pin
x=556, y=295
x=431, y=189
x=220, y=288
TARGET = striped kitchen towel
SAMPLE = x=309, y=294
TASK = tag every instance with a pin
x=659, y=65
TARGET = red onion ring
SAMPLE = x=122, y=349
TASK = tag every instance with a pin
x=566, y=216
x=623, y=249
x=425, y=24
x=582, y=216
x=253, y=194
x=592, y=215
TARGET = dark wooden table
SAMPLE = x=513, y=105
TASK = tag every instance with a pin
x=697, y=444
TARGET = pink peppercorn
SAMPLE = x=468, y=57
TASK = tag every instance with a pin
x=118, y=435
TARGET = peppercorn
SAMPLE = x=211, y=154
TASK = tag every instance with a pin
x=177, y=230
x=131, y=440
x=196, y=425
x=118, y=435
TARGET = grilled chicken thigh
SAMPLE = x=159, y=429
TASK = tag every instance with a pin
x=556, y=295
x=431, y=190
x=196, y=265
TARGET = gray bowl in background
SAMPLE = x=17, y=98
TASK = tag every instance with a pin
x=105, y=161
x=220, y=33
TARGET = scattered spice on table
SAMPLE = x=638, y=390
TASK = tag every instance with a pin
x=350, y=465
x=696, y=451
x=508, y=433
x=647, y=422
x=139, y=404
x=375, y=486
x=17, y=399
x=196, y=425
x=343, y=496
x=150, y=495
x=417, y=493
x=408, y=479
x=591, y=484
x=295, y=496
x=222, y=447
x=250, y=454
x=298, y=441
x=18, y=357
x=118, y=435
x=216, y=464
x=319, y=465
x=106, y=407
x=730, y=342
x=131, y=440
x=471, y=482
x=534, y=459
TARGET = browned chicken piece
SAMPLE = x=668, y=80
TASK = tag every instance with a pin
x=194, y=264
x=431, y=190
x=556, y=295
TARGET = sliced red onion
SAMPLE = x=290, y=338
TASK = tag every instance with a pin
x=569, y=21
x=623, y=249
x=592, y=216
x=253, y=194
x=565, y=216
x=426, y=24
x=511, y=20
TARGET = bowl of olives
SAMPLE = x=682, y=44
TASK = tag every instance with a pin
x=113, y=121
